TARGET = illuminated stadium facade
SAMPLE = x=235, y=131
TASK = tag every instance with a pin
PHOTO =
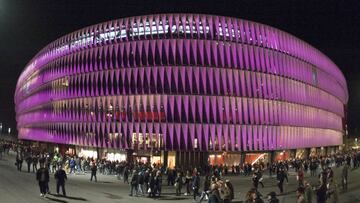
x=183, y=85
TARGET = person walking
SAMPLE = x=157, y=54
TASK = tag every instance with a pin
x=151, y=189
x=196, y=185
x=259, y=177
x=280, y=178
x=141, y=183
x=60, y=177
x=344, y=177
x=28, y=160
x=286, y=174
x=146, y=180
x=72, y=165
x=78, y=164
x=48, y=161
x=255, y=180
x=35, y=162
x=1, y=149
x=187, y=183
x=178, y=184
x=134, y=181
x=313, y=167
x=42, y=176
x=158, y=181
x=206, y=189
x=126, y=175
x=19, y=160
x=170, y=177
x=54, y=163
x=93, y=171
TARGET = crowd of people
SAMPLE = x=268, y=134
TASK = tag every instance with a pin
x=4, y=148
x=205, y=183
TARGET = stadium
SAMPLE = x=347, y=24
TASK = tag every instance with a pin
x=182, y=89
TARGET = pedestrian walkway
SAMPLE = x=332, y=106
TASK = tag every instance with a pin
x=110, y=189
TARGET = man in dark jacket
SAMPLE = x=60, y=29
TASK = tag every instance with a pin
x=151, y=184
x=178, y=184
x=158, y=181
x=170, y=177
x=141, y=183
x=255, y=181
x=258, y=175
x=146, y=180
x=28, y=161
x=134, y=181
x=280, y=178
x=126, y=175
x=60, y=177
x=19, y=160
x=35, y=161
x=196, y=184
x=344, y=176
x=42, y=176
x=206, y=190
x=93, y=171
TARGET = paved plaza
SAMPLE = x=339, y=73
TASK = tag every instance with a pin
x=22, y=187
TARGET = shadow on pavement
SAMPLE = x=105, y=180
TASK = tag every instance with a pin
x=70, y=197
x=56, y=200
x=112, y=196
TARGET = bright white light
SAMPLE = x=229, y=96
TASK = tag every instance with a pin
x=116, y=157
x=258, y=158
x=9, y=130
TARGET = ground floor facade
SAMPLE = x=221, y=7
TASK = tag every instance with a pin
x=186, y=158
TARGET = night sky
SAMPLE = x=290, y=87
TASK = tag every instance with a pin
x=332, y=26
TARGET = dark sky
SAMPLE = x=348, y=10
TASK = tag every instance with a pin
x=332, y=26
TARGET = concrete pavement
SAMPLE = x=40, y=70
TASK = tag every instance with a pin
x=21, y=187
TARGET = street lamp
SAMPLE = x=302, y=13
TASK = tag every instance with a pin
x=356, y=144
